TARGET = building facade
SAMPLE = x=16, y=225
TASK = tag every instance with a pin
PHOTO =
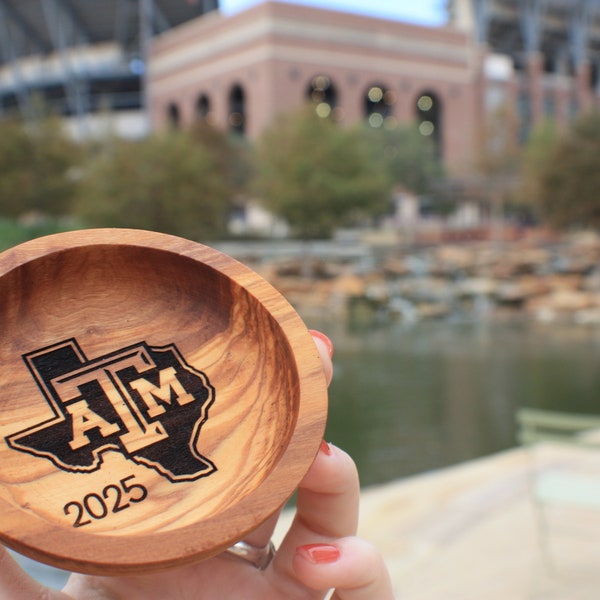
x=241, y=71
x=519, y=60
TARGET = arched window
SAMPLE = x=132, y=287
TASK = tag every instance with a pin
x=203, y=107
x=429, y=117
x=173, y=115
x=323, y=95
x=237, y=110
x=378, y=105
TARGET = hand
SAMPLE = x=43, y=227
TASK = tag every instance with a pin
x=318, y=553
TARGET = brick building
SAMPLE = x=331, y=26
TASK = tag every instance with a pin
x=242, y=70
x=525, y=59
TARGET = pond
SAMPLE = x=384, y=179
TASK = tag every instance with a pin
x=411, y=398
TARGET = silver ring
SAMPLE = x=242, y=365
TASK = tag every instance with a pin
x=255, y=555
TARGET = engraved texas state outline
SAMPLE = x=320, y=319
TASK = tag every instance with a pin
x=145, y=402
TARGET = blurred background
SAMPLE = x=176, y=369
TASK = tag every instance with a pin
x=419, y=179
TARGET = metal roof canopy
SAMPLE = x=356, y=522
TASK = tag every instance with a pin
x=567, y=30
x=42, y=27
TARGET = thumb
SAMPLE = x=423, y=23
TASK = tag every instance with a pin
x=353, y=567
x=15, y=584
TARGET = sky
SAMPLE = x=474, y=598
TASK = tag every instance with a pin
x=423, y=12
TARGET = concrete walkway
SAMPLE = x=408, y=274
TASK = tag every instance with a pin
x=520, y=525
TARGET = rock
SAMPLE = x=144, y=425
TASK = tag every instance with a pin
x=349, y=285
x=562, y=301
x=377, y=291
x=395, y=267
x=433, y=310
x=455, y=257
x=591, y=283
x=558, y=282
x=588, y=316
x=510, y=293
x=476, y=286
x=533, y=285
x=518, y=291
x=428, y=289
x=585, y=239
x=529, y=260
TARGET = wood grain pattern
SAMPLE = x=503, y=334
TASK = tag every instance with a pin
x=158, y=401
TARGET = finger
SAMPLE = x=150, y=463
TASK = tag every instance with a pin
x=329, y=494
x=17, y=585
x=325, y=348
x=327, y=506
x=350, y=565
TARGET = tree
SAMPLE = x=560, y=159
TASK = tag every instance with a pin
x=232, y=153
x=536, y=154
x=317, y=175
x=36, y=167
x=167, y=182
x=408, y=158
x=565, y=177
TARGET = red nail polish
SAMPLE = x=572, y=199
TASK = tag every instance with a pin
x=324, y=339
x=319, y=554
x=325, y=448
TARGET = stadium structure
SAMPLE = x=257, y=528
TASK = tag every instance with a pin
x=82, y=58
x=168, y=63
x=551, y=52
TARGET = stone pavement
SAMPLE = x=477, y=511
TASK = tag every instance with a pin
x=520, y=525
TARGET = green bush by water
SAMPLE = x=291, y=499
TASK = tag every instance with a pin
x=13, y=232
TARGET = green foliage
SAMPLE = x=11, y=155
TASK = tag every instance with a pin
x=36, y=168
x=315, y=174
x=318, y=176
x=171, y=182
x=15, y=232
x=564, y=177
x=409, y=159
x=535, y=156
x=499, y=152
x=233, y=154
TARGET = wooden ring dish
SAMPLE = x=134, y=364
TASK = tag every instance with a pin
x=159, y=401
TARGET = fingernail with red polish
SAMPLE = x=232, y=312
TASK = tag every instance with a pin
x=319, y=554
x=325, y=448
x=324, y=339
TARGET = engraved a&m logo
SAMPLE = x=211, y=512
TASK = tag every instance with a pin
x=142, y=401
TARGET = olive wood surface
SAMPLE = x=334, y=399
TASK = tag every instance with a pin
x=159, y=400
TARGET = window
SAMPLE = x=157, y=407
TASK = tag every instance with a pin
x=173, y=116
x=429, y=117
x=378, y=106
x=203, y=107
x=237, y=110
x=322, y=93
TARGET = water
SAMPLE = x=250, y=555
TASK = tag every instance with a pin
x=412, y=398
